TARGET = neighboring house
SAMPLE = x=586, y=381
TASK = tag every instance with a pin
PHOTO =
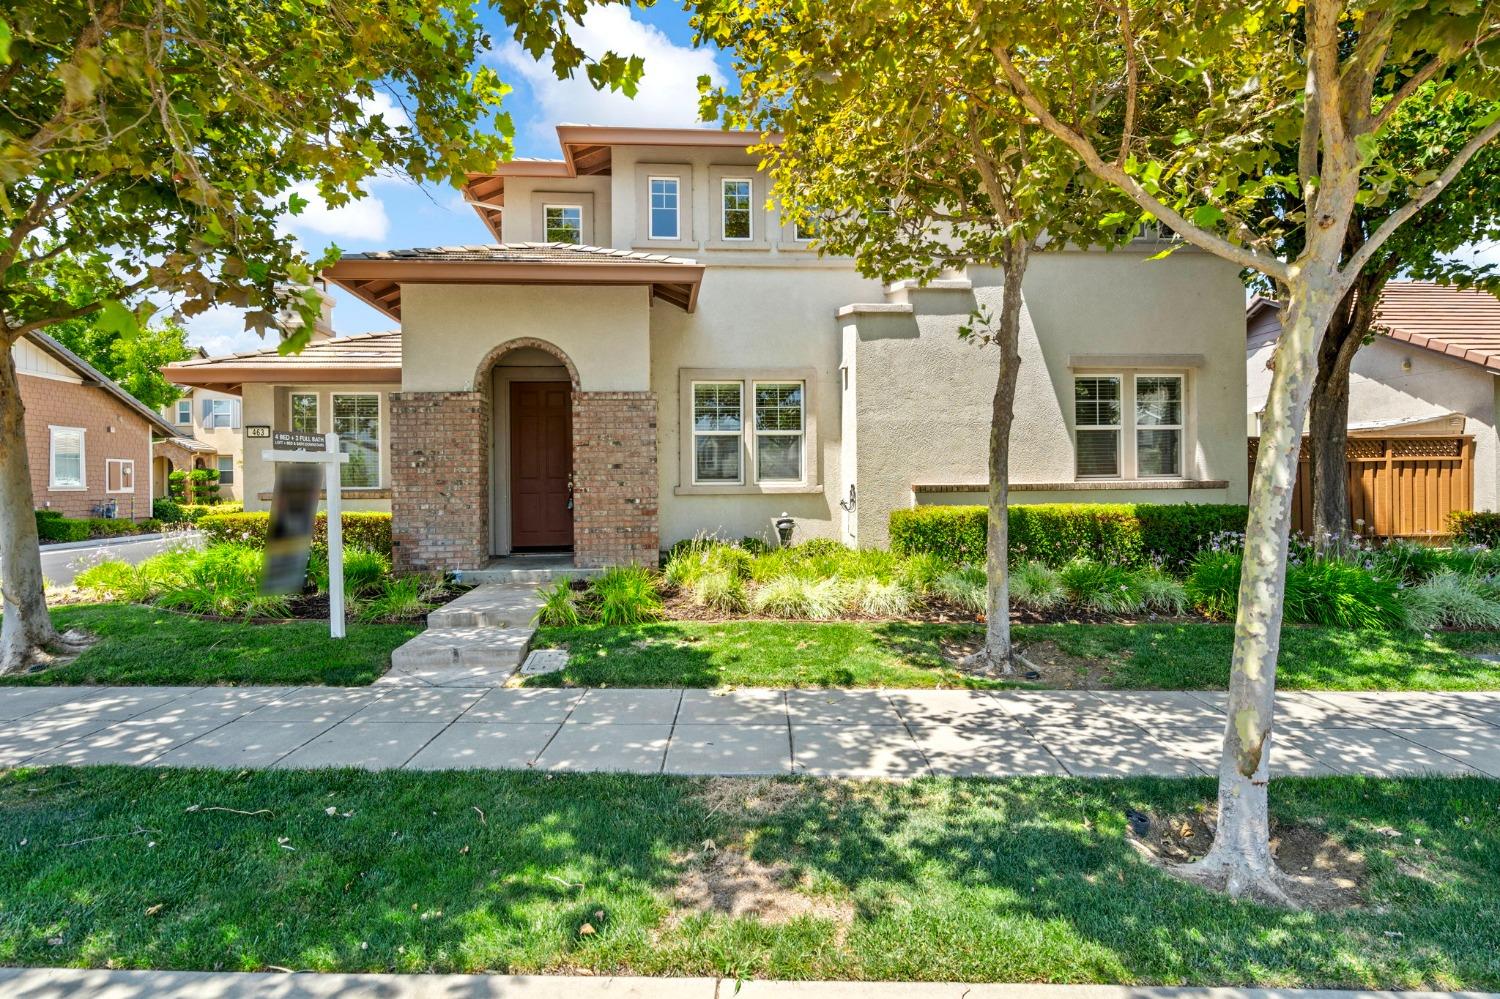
x=208, y=424
x=87, y=439
x=1432, y=371
x=650, y=352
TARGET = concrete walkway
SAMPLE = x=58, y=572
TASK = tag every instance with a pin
x=839, y=733
x=66, y=983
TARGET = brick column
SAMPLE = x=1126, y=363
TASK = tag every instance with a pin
x=440, y=468
x=615, y=479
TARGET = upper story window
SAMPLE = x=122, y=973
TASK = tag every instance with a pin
x=564, y=223
x=665, y=220
x=304, y=412
x=184, y=412
x=219, y=414
x=736, y=220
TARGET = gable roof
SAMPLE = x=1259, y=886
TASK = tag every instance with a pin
x=93, y=376
x=364, y=357
x=377, y=277
x=1460, y=323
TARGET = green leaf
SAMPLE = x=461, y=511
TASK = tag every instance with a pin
x=1182, y=137
x=296, y=203
x=1115, y=218
x=4, y=41
x=1207, y=216
x=115, y=318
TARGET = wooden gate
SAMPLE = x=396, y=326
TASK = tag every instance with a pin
x=1399, y=487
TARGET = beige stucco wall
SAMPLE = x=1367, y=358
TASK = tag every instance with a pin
x=923, y=395
x=525, y=197
x=268, y=405
x=447, y=331
x=1382, y=387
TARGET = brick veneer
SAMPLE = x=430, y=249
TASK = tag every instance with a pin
x=111, y=430
x=440, y=480
x=614, y=478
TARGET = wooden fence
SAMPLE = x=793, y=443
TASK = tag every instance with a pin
x=1399, y=487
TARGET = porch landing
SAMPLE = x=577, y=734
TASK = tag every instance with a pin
x=528, y=569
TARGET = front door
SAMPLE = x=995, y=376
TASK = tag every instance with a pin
x=541, y=466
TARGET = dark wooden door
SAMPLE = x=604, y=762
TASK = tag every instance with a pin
x=541, y=465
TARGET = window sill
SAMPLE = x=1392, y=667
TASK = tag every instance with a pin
x=747, y=245
x=1076, y=485
x=767, y=489
x=67, y=489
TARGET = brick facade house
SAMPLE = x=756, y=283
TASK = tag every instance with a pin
x=88, y=441
x=649, y=350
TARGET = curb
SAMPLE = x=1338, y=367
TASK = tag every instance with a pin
x=124, y=539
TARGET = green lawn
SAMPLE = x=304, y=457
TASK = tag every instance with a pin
x=755, y=654
x=1019, y=880
x=1131, y=657
x=145, y=645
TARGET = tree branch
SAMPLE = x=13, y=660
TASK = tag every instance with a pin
x=1423, y=198
x=1423, y=75
x=1085, y=150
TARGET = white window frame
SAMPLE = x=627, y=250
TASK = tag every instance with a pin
x=333, y=416
x=184, y=412
x=738, y=435
x=213, y=415
x=749, y=183
x=676, y=183
x=83, y=466
x=800, y=434
x=547, y=235
x=122, y=464
x=291, y=411
x=218, y=467
x=1180, y=426
x=1118, y=427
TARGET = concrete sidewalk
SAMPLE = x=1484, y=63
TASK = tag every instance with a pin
x=830, y=733
x=48, y=983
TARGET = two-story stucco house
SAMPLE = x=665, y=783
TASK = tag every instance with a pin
x=649, y=352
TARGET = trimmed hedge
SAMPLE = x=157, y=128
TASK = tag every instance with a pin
x=1475, y=527
x=370, y=531
x=52, y=527
x=1126, y=534
x=170, y=511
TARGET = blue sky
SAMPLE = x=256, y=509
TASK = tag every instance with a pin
x=398, y=213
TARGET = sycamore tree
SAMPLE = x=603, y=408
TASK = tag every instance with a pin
x=173, y=135
x=1424, y=132
x=134, y=361
x=889, y=142
x=1329, y=79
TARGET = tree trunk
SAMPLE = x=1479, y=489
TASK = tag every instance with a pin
x=1240, y=860
x=1328, y=416
x=27, y=628
x=997, y=653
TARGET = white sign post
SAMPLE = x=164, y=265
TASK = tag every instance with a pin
x=331, y=458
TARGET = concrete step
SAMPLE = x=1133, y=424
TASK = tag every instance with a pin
x=493, y=605
x=463, y=648
x=534, y=576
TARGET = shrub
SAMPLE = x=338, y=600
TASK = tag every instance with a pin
x=370, y=531
x=203, y=485
x=177, y=483
x=1473, y=560
x=365, y=572
x=1123, y=534
x=1450, y=600
x=920, y=572
x=1213, y=582
x=559, y=607
x=1160, y=592
x=964, y=586
x=796, y=597
x=877, y=599
x=1036, y=586
x=222, y=580
x=111, y=580
x=625, y=595
x=53, y=526
x=1096, y=586
x=169, y=511
x=1331, y=591
x=1407, y=560
x=1475, y=527
x=720, y=591
x=684, y=568
x=395, y=600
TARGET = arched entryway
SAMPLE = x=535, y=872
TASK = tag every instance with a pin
x=530, y=385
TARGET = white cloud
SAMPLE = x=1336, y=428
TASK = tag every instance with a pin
x=668, y=93
x=221, y=330
x=383, y=105
x=1479, y=253
x=362, y=219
